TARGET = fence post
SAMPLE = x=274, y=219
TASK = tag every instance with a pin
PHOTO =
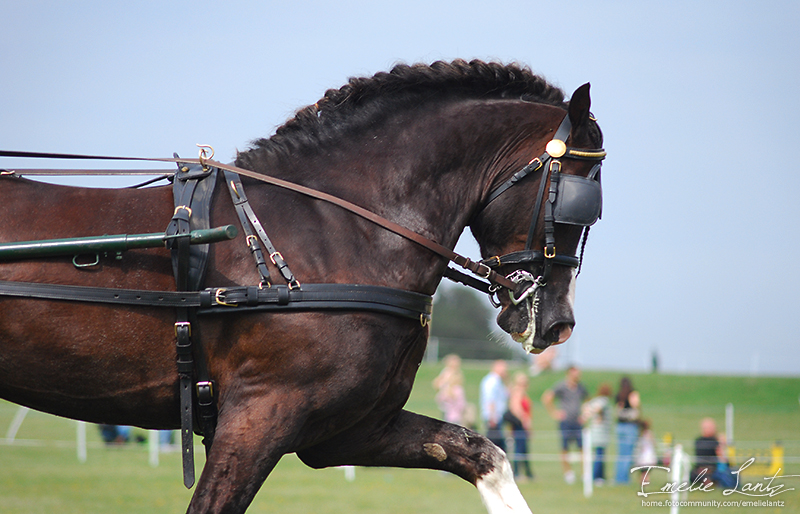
x=729, y=423
x=677, y=464
x=19, y=417
x=587, y=463
x=81, y=440
x=153, y=441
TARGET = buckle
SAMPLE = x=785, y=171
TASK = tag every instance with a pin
x=219, y=297
x=183, y=324
x=274, y=256
x=205, y=388
x=551, y=254
x=251, y=240
x=187, y=209
x=488, y=262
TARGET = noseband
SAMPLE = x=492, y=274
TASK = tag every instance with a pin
x=571, y=200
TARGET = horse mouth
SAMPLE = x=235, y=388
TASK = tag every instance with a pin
x=558, y=334
x=557, y=331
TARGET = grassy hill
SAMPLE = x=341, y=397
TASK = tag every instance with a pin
x=41, y=474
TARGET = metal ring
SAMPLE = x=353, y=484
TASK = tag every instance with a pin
x=203, y=155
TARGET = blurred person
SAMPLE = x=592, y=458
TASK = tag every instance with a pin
x=710, y=451
x=452, y=366
x=494, y=402
x=646, y=448
x=452, y=400
x=520, y=409
x=115, y=434
x=570, y=394
x=628, y=404
x=597, y=412
x=450, y=396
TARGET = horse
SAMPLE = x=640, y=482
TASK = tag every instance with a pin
x=424, y=146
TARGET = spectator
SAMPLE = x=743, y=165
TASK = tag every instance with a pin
x=597, y=412
x=115, y=434
x=494, y=402
x=450, y=396
x=710, y=451
x=628, y=404
x=570, y=394
x=519, y=413
x=646, y=449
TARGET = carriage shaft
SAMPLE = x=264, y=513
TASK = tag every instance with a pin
x=103, y=244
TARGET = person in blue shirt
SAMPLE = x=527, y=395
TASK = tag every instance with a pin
x=494, y=402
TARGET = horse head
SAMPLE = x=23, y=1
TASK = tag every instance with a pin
x=539, y=254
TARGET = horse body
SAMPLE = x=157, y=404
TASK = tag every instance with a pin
x=328, y=386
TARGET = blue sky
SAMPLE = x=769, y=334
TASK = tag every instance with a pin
x=696, y=254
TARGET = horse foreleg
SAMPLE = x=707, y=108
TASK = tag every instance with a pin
x=413, y=441
x=247, y=446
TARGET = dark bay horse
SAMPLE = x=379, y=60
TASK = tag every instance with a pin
x=423, y=146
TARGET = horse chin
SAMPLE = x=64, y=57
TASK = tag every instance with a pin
x=526, y=339
x=522, y=316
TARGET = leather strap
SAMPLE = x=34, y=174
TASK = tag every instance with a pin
x=248, y=219
x=183, y=191
x=224, y=300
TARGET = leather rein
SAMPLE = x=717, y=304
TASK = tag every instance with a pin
x=549, y=160
x=478, y=268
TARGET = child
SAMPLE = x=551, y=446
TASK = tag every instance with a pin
x=598, y=412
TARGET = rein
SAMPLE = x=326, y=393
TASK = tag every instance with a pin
x=478, y=268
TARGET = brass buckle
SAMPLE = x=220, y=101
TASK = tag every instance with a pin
x=200, y=385
x=551, y=254
x=538, y=162
x=179, y=324
x=251, y=240
x=273, y=255
x=187, y=209
x=219, y=297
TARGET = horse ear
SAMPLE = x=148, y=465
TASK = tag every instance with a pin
x=579, y=106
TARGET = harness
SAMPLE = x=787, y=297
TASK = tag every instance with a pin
x=571, y=199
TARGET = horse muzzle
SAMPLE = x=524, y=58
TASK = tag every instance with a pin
x=536, y=320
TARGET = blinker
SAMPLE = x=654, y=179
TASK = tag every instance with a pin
x=579, y=200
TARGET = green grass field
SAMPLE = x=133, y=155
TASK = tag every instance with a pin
x=41, y=474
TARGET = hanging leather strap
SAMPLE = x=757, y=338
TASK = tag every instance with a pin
x=250, y=222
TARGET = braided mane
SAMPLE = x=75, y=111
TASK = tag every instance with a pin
x=363, y=99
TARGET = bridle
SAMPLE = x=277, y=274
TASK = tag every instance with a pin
x=570, y=199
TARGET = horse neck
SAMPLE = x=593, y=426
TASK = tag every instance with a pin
x=427, y=170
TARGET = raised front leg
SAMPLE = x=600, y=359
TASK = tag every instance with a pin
x=410, y=440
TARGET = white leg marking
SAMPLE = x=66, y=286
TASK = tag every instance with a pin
x=500, y=493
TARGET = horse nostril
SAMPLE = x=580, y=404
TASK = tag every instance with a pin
x=559, y=333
